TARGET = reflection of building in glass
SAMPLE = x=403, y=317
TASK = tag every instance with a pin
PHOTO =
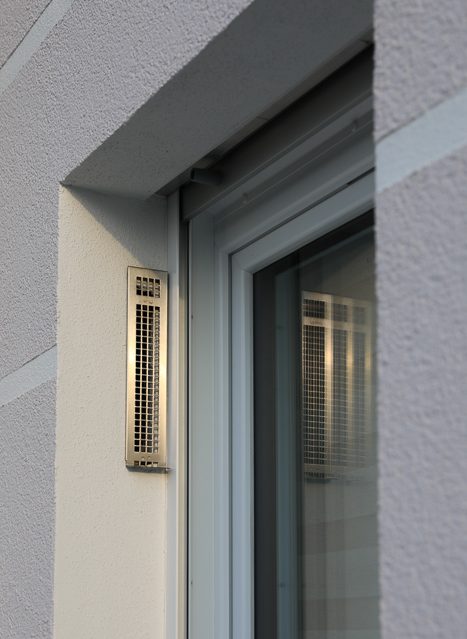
x=336, y=384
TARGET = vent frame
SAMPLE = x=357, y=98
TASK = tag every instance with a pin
x=146, y=409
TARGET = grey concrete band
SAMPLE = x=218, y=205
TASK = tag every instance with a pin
x=39, y=370
x=52, y=14
x=436, y=134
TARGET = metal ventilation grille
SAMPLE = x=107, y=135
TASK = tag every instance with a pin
x=147, y=379
x=147, y=359
x=148, y=286
x=336, y=379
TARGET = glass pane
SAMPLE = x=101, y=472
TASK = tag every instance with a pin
x=315, y=441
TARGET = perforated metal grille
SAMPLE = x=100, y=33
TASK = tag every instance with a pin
x=339, y=451
x=148, y=286
x=146, y=464
x=147, y=361
x=147, y=379
x=313, y=308
x=360, y=395
x=336, y=374
x=359, y=315
x=340, y=312
x=314, y=399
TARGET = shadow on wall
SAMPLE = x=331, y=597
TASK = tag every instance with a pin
x=137, y=225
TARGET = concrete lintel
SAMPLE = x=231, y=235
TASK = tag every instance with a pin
x=244, y=72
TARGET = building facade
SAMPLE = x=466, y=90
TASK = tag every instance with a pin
x=211, y=140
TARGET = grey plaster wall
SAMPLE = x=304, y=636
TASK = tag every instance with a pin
x=73, y=92
x=71, y=96
x=422, y=344
x=16, y=18
x=27, y=514
x=421, y=61
x=420, y=57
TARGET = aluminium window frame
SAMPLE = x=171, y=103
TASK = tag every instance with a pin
x=300, y=197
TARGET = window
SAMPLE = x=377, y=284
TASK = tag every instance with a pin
x=281, y=429
x=314, y=441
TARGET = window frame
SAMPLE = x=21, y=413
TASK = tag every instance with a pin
x=227, y=245
x=335, y=211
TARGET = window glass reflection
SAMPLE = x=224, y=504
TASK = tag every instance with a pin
x=315, y=461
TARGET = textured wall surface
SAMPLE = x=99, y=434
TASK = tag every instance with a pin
x=420, y=55
x=16, y=18
x=99, y=64
x=420, y=81
x=75, y=90
x=235, y=79
x=27, y=514
x=422, y=284
x=110, y=550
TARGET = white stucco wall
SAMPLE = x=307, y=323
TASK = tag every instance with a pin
x=110, y=551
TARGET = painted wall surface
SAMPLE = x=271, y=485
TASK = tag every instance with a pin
x=421, y=150
x=242, y=77
x=420, y=58
x=59, y=99
x=78, y=75
x=110, y=551
x=27, y=513
x=422, y=284
x=73, y=92
x=16, y=19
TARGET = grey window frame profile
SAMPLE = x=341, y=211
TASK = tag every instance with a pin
x=301, y=176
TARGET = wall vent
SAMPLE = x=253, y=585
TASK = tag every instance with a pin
x=336, y=385
x=146, y=370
